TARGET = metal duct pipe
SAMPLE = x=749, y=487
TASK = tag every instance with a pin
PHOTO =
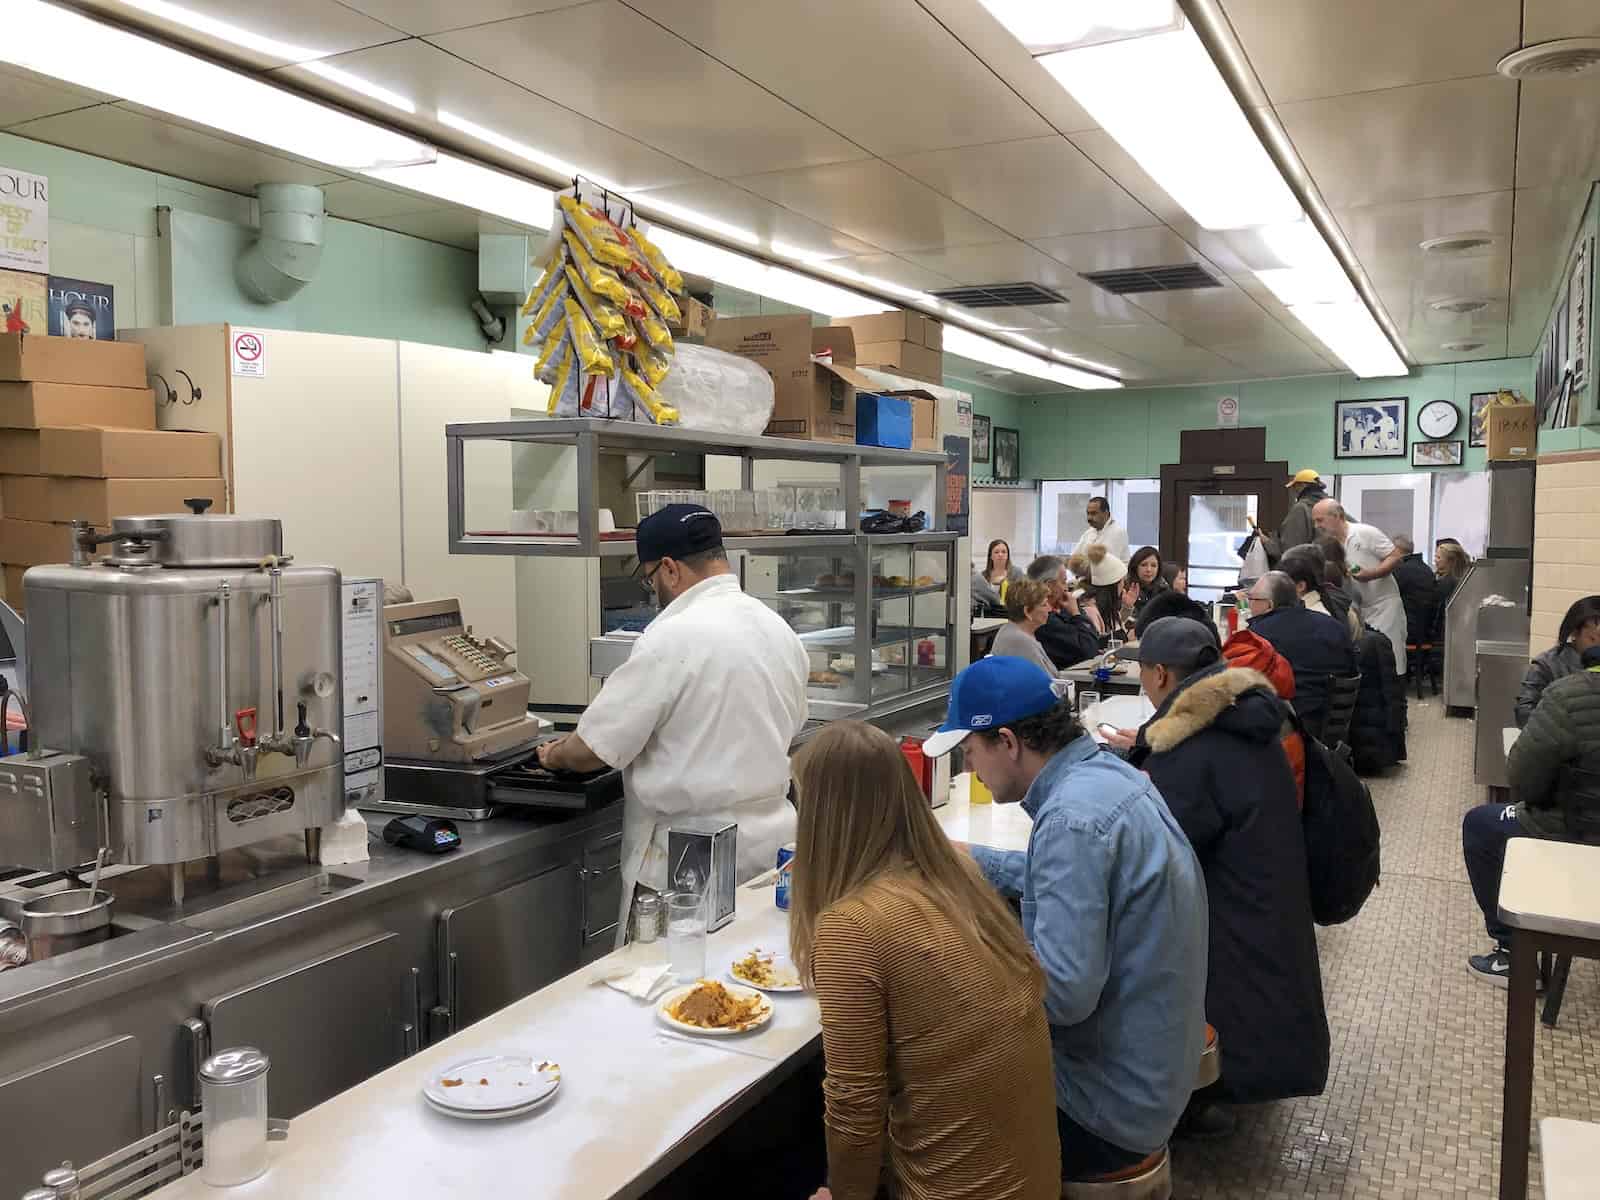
x=286, y=255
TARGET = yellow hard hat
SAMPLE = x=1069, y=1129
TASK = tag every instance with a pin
x=1304, y=475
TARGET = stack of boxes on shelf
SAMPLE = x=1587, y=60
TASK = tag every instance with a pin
x=78, y=441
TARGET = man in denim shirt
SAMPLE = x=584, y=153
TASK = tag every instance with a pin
x=1113, y=902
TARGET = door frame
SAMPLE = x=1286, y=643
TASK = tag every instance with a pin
x=1264, y=480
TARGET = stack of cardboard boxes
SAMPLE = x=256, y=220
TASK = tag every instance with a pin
x=906, y=343
x=78, y=440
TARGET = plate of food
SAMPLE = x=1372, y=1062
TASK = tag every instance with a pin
x=714, y=1009
x=767, y=970
x=492, y=1086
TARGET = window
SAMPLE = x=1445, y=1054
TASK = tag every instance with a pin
x=1394, y=503
x=1217, y=527
x=1063, y=503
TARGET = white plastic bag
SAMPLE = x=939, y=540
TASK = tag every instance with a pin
x=717, y=392
x=1255, y=559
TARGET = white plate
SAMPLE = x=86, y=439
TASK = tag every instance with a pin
x=781, y=963
x=515, y=1082
x=498, y=1114
x=763, y=1015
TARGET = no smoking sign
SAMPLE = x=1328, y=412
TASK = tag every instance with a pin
x=249, y=353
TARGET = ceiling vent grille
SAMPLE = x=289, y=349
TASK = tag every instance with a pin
x=1458, y=243
x=1001, y=295
x=1459, y=304
x=1465, y=346
x=1565, y=57
x=1179, y=277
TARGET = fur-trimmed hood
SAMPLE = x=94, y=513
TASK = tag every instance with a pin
x=1241, y=702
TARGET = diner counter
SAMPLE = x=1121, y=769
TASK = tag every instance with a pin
x=632, y=1105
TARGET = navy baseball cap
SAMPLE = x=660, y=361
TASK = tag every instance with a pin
x=1177, y=642
x=677, y=531
x=992, y=692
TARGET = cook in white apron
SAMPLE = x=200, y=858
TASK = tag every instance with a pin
x=1367, y=547
x=701, y=716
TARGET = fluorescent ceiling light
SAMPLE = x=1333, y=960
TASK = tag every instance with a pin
x=799, y=253
x=550, y=162
x=1043, y=26
x=966, y=344
x=1347, y=328
x=272, y=48
x=880, y=285
x=1164, y=101
x=53, y=41
x=698, y=219
x=694, y=257
x=474, y=186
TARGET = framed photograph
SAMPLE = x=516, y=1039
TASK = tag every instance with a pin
x=980, y=438
x=1478, y=419
x=1438, y=454
x=1371, y=428
x=1007, y=455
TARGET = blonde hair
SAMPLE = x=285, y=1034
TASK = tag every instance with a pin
x=1023, y=595
x=1456, y=562
x=862, y=816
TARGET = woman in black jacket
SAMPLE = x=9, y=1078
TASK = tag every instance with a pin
x=1450, y=566
x=1145, y=578
x=1580, y=629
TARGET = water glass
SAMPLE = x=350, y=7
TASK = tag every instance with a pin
x=686, y=935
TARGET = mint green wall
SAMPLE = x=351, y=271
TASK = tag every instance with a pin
x=1003, y=409
x=372, y=283
x=1132, y=433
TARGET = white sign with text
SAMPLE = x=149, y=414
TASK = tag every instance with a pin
x=24, y=221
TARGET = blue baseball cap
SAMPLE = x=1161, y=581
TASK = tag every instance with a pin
x=677, y=531
x=991, y=693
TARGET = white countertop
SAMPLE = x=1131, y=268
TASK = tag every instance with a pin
x=1002, y=826
x=627, y=1097
x=1551, y=887
x=1570, y=1152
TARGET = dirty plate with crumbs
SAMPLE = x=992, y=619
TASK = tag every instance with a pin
x=493, y=1087
x=768, y=970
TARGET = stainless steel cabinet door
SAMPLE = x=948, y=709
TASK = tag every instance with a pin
x=505, y=945
x=601, y=872
x=81, y=1106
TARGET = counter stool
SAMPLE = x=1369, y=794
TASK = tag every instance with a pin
x=1147, y=1180
x=1210, y=1061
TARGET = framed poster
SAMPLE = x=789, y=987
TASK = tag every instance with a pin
x=1478, y=418
x=1578, y=315
x=1438, y=454
x=1007, y=455
x=957, y=515
x=80, y=309
x=1371, y=428
x=980, y=438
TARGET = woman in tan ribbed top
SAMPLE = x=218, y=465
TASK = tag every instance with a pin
x=939, y=1080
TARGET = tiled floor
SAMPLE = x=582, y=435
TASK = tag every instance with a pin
x=1412, y=1108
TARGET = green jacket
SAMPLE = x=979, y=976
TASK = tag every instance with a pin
x=1555, y=764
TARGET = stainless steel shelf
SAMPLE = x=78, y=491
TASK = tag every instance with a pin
x=844, y=595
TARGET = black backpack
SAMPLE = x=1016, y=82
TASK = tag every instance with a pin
x=1342, y=834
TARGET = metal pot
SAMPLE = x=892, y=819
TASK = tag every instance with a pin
x=65, y=921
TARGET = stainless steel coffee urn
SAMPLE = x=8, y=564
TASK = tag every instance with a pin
x=190, y=682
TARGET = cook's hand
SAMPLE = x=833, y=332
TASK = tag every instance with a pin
x=1354, y=572
x=548, y=752
x=1122, y=739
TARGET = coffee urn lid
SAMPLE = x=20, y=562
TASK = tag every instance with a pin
x=192, y=540
x=235, y=1066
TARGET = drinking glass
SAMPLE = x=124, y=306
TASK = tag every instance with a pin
x=686, y=935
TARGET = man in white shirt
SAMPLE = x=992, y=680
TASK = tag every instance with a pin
x=701, y=716
x=1103, y=530
x=1372, y=558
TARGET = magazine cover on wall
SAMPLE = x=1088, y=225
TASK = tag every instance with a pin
x=1371, y=428
x=23, y=302
x=980, y=438
x=80, y=309
x=1007, y=455
x=1478, y=418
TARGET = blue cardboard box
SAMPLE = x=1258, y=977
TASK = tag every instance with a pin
x=883, y=421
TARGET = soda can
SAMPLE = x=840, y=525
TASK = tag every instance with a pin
x=785, y=853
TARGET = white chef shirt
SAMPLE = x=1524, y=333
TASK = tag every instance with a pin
x=1366, y=546
x=1114, y=537
x=700, y=719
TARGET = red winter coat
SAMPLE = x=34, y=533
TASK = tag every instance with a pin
x=1253, y=652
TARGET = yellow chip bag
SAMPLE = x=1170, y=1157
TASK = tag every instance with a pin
x=604, y=315
x=657, y=334
x=593, y=357
x=541, y=290
x=645, y=399
x=563, y=373
x=602, y=281
x=551, y=312
x=661, y=300
x=670, y=279
x=552, y=344
x=599, y=236
x=650, y=362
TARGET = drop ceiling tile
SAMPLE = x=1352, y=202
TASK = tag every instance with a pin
x=139, y=139
x=1151, y=246
x=1104, y=151
x=893, y=269
x=1007, y=261
x=1546, y=20
x=746, y=210
x=661, y=90
x=25, y=96
x=1304, y=49
x=1436, y=139
x=439, y=82
x=1034, y=188
x=872, y=83
x=1209, y=315
x=1388, y=238
x=295, y=30
x=423, y=17
x=872, y=201
x=991, y=42
x=1556, y=131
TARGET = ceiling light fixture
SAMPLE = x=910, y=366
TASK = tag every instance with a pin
x=500, y=141
x=694, y=257
x=880, y=285
x=54, y=41
x=361, y=86
x=1461, y=245
x=966, y=344
x=1189, y=134
x=1560, y=59
x=699, y=220
x=474, y=186
x=1044, y=28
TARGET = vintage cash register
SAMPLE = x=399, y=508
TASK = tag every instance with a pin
x=458, y=738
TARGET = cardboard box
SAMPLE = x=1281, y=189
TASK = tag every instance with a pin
x=56, y=498
x=26, y=358
x=897, y=326
x=1513, y=432
x=696, y=317
x=812, y=401
x=29, y=543
x=910, y=359
x=924, y=419
x=129, y=454
x=19, y=452
x=883, y=421
x=13, y=584
x=36, y=405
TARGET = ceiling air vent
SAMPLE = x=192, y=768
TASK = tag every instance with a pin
x=1459, y=304
x=1180, y=277
x=1461, y=347
x=1459, y=243
x=1001, y=295
x=1564, y=57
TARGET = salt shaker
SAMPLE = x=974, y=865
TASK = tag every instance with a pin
x=233, y=1091
x=646, y=917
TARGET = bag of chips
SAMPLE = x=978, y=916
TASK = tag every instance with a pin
x=670, y=279
x=602, y=281
x=599, y=236
x=645, y=401
x=651, y=364
x=553, y=280
x=602, y=313
x=661, y=300
x=657, y=334
x=593, y=356
x=544, y=368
